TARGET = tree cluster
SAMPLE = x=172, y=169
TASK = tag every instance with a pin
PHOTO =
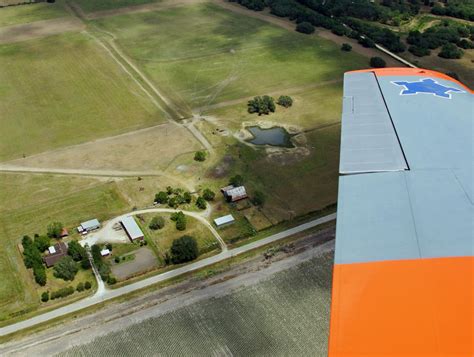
x=447, y=35
x=180, y=219
x=261, y=105
x=78, y=254
x=184, y=249
x=462, y=9
x=32, y=257
x=66, y=268
x=156, y=223
x=174, y=197
x=102, y=267
x=54, y=229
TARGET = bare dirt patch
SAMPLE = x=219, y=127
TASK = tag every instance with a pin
x=144, y=260
x=145, y=149
x=37, y=29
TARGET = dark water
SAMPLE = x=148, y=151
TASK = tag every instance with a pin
x=275, y=136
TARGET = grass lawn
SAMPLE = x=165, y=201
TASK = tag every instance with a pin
x=96, y=5
x=162, y=239
x=14, y=15
x=29, y=204
x=202, y=54
x=64, y=90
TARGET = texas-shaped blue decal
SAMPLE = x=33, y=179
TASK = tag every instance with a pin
x=427, y=86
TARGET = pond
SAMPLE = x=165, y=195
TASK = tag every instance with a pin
x=276, y=136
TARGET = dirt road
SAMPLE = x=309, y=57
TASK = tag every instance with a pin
x=121, y=315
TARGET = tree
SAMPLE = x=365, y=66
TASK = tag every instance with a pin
x=346, y=47
x=200, y=156
x=87, y=285
x=55, y=229
x=305, y=27
x=161, y=197
x=184, y=249
x=80, y=287
x=76, y=251
x=377, y=62
x=45, y=296
x=261, y=105
x=156, y=223
x=258, y=198
x=450, y=51
x=66, y=268
x=111, y=280
x=85, y=263
x=181, y=222
x=39, y=271
x=187, y=197
x=236, y=180
x=285, y=101
x=42, y=243
x=201, y=203
x=208, y=195
x=169, y=190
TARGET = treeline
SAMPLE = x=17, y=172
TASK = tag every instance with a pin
x=462, y=9
x=32, y=258
x=448, y=35
x=342, y=17
x=102, y=267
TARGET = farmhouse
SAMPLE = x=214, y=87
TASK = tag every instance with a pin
x=55, y=253
x=131, y=227
x=224, y=220
x=88, y=226
x=233, y=194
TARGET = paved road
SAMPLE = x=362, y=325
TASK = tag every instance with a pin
x=110, y=294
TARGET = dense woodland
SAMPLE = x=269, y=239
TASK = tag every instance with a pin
x=353, y=18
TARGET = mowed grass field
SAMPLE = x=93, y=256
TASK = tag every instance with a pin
x=202, y=54
x=22, y=14
x=96, y=5
x=285, y=315
x=28, y=204
x=63, y=90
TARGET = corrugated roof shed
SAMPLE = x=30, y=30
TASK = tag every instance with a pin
x=132, y=228
x=224, y=220
x=90, y=224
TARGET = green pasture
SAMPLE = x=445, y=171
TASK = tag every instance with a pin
x=202, y=54
x=64, y=90
x=22, y=14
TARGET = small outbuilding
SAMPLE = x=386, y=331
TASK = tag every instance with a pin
x=224, y=220
x=55, y=253
x=233, y=194
x=90, y=225
x=105, y=252
x=64, y=233
x=131, y=227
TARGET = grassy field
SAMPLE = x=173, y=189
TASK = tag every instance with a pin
x=162, y=239
x=63, y=90
x=95, y=5
x=29, y=204
x=202, y=54
x=14, y=15
x=287, y=314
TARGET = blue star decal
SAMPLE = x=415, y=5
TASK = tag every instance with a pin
x=427, y=86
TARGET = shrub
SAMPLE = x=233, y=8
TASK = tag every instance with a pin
x=187, y=198
x=377, y=62
x=111, y=280
x=62, y=292
x=285, y=101
x=346, y=47
x=45, y=296
x=208, y=195
x=201, y=203
x=54, y=229
x=39, y=271
x=419, y=51
x=117, y=259
x=156, y=223
x=80, y=287
x=184, y=249
x=305, y=27
x=161, y=197
x=66, y=268
x=236, y=180
x=258, y=198
x=109, y=246
x=200, y=156
x=87, y=285
x=180, y=220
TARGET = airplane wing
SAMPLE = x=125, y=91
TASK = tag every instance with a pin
x=403, y=281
